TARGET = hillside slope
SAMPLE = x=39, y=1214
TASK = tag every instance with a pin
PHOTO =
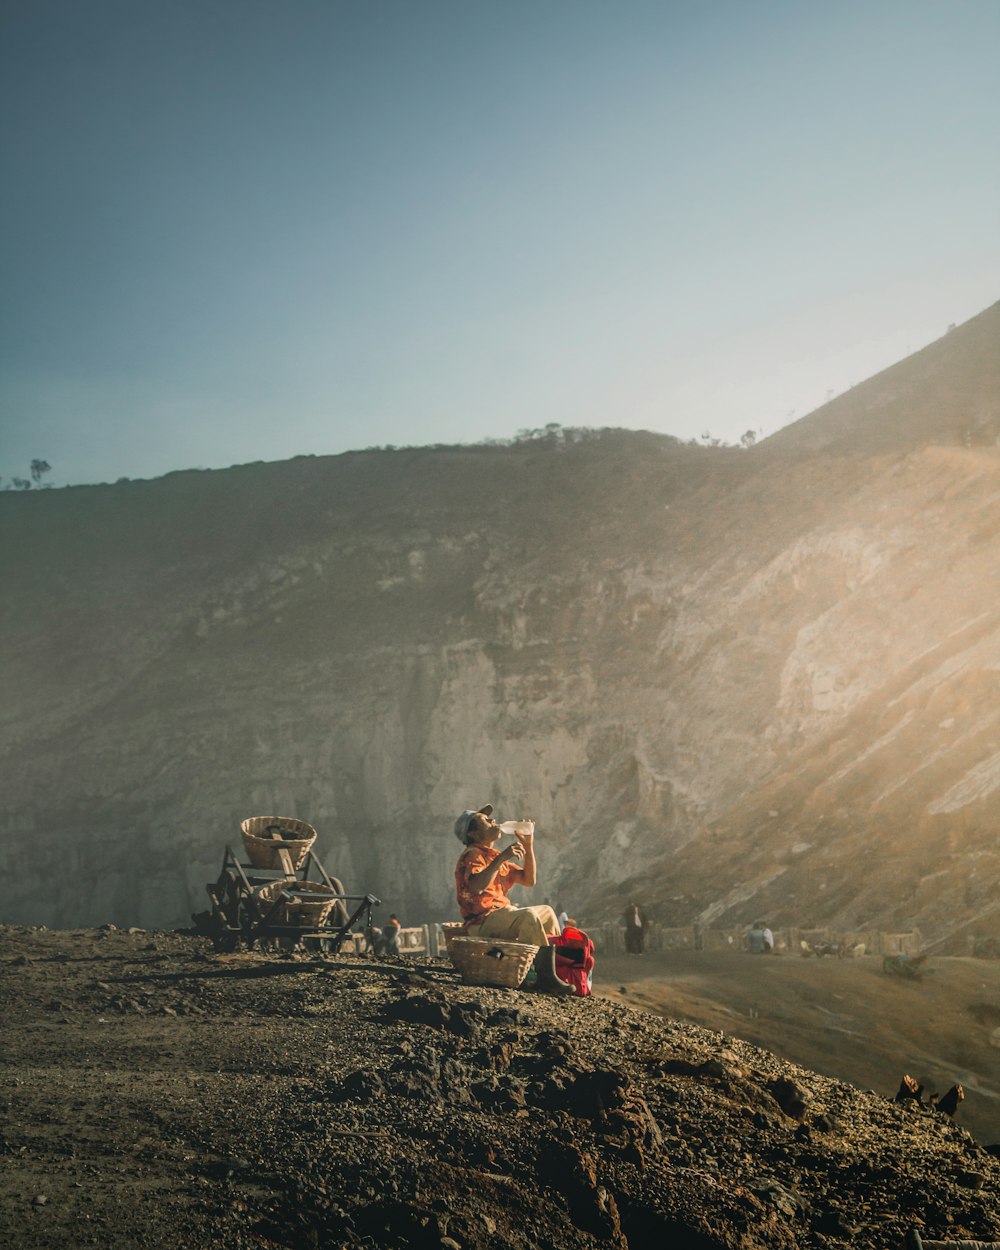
x=734, y=680
x=945, y=393
x=248, y=1101
x=844, y=1018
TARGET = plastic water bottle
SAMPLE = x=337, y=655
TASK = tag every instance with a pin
x=520, y=828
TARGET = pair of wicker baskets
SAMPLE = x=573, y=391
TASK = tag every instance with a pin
x=482, y=962
x=265, y=836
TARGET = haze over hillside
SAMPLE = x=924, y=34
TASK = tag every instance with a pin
x=735, y=681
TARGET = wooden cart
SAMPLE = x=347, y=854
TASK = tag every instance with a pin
x=283, y=906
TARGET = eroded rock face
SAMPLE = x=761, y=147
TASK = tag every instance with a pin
x=750, y=681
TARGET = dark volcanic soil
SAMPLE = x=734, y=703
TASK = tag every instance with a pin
x=159, y=1095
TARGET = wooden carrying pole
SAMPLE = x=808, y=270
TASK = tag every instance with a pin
x=284, y=859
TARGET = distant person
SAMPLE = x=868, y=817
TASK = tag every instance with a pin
x=484, y=878
x=760, y=939
x=563, y=918
x=390, y=936
x=635, y=929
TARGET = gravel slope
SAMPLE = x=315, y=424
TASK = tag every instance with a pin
x=159, y=1095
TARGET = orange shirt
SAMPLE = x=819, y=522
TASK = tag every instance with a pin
x=475, y=859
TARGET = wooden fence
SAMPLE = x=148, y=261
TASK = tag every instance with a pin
x=794, y=940
x=609, y=938
x=416, y=940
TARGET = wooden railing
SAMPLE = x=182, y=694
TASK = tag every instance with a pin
x=415, y=940
x=793, y=940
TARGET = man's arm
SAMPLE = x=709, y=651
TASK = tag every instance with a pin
x=528, y=873
x=483, y=879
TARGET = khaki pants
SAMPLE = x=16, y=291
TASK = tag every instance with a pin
x=533, y=925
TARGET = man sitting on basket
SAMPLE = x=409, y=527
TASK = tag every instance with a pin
x=483, y=879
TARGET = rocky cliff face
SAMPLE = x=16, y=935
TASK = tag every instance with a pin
x=735, y=681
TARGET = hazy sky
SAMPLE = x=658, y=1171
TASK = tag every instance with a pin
x=248, y=229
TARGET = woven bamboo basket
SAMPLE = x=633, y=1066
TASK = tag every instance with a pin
x=304, y=912
x=296, y=837
x=451, y=930
x=491, y=963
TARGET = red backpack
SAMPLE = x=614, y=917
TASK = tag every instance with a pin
x=574, y=959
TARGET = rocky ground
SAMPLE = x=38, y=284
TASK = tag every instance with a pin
x=845, y=1018
x=159, y=1095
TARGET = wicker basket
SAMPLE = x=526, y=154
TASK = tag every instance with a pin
x=307, y=913
x=451, y=930
x=491, y=963
x=296, y=837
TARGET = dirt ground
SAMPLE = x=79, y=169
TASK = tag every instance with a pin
x=844, y=1018
x=158, y=1095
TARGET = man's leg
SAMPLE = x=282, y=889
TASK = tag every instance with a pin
x=534, y=926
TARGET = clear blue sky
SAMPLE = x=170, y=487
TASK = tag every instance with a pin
x=248, y=229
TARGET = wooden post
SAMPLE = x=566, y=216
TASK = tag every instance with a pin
x=284, y=859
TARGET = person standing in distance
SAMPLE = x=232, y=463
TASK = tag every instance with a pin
x=635, y=929
x=390, y=935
